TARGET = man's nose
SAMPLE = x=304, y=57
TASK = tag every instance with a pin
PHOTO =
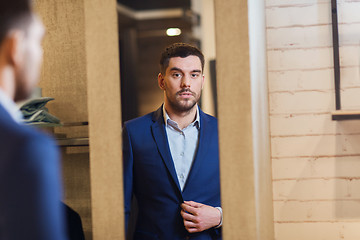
x=185, y=82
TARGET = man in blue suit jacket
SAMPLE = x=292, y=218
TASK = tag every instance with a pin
x=30, y=190
x=171, y=157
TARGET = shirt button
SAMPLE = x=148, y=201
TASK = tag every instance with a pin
x=182, y=154
x=181, y=176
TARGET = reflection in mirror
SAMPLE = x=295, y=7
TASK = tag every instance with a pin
x=161, y=169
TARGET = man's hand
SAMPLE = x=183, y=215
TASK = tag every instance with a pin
x=199, y=217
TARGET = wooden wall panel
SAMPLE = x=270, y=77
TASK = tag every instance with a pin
x=103, y=85
x=245, y=167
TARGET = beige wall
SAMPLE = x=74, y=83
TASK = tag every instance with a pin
x=316, y=161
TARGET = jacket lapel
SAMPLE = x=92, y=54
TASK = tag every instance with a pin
x=203, y=145
x=159, y=133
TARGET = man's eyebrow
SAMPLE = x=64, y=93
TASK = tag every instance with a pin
x=180, y=70
x=175, y=69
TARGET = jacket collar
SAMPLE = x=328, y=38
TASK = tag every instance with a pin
x=10, y=107
x=167, y=117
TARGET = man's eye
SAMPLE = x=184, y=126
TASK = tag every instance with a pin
x=176, y=75
x=194, y=75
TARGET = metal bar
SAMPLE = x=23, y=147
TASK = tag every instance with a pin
x=335, y=34
x=345, y=117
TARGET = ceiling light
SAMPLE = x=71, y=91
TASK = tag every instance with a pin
x=173, y=31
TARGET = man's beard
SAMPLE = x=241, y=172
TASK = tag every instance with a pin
x=183, y=105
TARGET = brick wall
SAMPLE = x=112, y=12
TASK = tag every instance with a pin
x=316, y=161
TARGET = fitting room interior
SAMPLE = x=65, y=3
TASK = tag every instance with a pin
x=288, y=106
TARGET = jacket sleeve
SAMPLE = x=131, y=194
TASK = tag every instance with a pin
x=128, y=175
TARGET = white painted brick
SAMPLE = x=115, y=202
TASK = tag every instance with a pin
x=312, y=36
x=300, y=37
x=281, y=125
x=350, y=99
x=294, y=3
x=316, y=14
x=317, y=231
x=312, y=167
x=326, y=145
x=300, y=59
x=349, y=55
x=349, y=33
x=301, y=97
x=348, y=11
x=317, y=189
x=351, y=231
x=350, y=77
x=302, y=102
x=304, y=211
x=322, y=79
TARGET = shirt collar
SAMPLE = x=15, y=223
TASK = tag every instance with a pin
x=10, y=107
x=167, y=119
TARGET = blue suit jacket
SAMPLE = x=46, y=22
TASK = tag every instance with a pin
x=29, y=184
x=150, y=175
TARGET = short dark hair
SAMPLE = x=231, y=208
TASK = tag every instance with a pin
x=14, y=14
x=179, y=50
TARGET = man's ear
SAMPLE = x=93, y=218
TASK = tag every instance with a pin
x=161, y=81
x=13, y=45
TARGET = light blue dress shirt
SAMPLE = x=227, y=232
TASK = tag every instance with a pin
x=183, y=144
x=10, y=107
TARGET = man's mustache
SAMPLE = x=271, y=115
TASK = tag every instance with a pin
x=185, y=90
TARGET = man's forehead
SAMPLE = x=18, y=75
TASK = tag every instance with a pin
x=190, y=62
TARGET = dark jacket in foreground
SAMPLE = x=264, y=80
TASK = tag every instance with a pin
x=30, y=190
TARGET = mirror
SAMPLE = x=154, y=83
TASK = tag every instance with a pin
x=144, y=32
